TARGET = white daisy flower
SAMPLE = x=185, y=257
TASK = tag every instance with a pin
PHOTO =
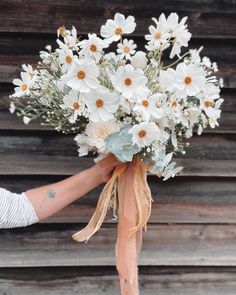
x=93, y=46
x=30, y=71
x=74, y=102
x=144, y=134
x=97, y=133
x=190, y=117
x=208, y=96
x=126, y=80
x=126, y=49
x=209, y=104
x=101, y=104
x=83, y=75
x=148, y=105
x=23, y=85
x=189, y=80
x=158, y=37
x=66, y=59
x=178, y=31
x=114, y=29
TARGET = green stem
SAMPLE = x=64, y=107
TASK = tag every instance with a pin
x=175, y=62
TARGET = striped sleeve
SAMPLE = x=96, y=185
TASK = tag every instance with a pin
x=15, y=210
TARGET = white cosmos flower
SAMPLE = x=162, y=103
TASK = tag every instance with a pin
x=74, y=102
x=23, y=85
x=83, y=75
x=126, y=49
x=97, y=133
x=209, y=104
x=158, y=37
x=114, y=29
x=208, y=96
x=70, y=40
x=126, y=80
x=190, y=117
x=189, y=80
x=101, y=104
x=30, y=71
x=178, y=31
x=144, y=134
x=93, y=46
x=147, y=105
x=66, y=59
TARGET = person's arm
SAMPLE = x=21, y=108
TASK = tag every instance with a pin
x=18, y=210
x=49, y=199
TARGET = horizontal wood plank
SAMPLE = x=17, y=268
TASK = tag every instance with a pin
x=161, y=213
x=190, y=191
x=207, y=146
x=164, y=245
x=161, y=281
x=206, y=19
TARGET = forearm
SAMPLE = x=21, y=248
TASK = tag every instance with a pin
x=49, y=199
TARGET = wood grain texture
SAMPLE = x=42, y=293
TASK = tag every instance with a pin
x=189, y=248
x=160, y=280
x=164, y=245
x=206, y=18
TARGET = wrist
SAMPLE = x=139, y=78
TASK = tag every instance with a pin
x=95, y=173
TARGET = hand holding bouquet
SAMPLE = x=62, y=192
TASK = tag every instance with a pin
x=140, y=106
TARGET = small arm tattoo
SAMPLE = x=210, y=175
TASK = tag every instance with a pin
x=51, y=194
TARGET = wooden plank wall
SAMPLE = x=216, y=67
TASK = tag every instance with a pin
x=190, y=247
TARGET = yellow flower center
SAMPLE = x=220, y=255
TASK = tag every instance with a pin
x=145, y=103
x=187, y=80
x=157, y=36
x=24, y=86
x=174, y=104
x=93, y=48
x=126, y=49
x=81, y=74
x=208, y=103
x=118, y=31
x=128, y=81
x=99, y=103
x=68, y=59
x=61, y=30
x=142, y=133
x=76, y=105
x=103, y=132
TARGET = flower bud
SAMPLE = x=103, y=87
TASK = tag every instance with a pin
x=139, y=60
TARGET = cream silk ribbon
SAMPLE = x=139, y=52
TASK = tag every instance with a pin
x=134, y=200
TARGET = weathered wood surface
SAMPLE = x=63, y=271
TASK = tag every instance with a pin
x=160, y=280
x=179, y=190
x=164, y=245
x=189, y=248
x=213, y=19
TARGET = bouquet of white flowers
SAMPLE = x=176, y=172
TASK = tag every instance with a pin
x=140, y=106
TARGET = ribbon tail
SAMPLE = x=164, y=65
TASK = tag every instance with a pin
x=128, y=245
x=103, y=203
